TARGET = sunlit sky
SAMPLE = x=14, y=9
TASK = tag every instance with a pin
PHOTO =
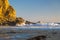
x=37, y=10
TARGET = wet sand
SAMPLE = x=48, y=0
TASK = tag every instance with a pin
x=29, y=34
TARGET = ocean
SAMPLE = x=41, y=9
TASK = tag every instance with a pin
x=29, y=32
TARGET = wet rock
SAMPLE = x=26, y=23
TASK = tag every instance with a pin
x=42, y=37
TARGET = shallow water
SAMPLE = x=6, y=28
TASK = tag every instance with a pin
x=28, y=32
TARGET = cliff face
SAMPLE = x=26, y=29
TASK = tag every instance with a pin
x=7, y=13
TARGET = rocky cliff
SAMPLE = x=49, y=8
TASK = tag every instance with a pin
x=7, y=13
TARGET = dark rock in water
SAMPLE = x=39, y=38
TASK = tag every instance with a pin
x=28, y=22
x=42, y=37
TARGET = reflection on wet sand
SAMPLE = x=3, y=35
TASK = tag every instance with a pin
x=29, y=34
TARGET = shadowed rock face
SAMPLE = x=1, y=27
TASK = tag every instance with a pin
x=7, y=13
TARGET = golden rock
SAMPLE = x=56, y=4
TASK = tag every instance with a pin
x=7, y=13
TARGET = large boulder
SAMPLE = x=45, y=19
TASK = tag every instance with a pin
x=7, y=13
x=20, y=20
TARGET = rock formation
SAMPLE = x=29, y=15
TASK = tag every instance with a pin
x=42, y=37
x=7, y=13
x=20, y=21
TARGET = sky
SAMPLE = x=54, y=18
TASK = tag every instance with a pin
x=37, y=10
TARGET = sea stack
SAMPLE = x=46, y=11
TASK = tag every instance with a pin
x=7, y=12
